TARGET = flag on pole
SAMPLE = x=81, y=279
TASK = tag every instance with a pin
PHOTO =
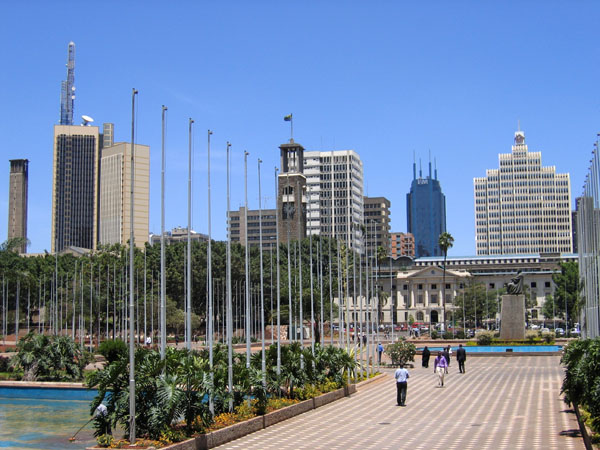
x=288, y=118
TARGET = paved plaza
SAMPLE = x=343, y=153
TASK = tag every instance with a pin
x=500, y=403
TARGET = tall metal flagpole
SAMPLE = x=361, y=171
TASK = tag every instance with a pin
x=289, y=266
x=228, y=275
x=247, y=265
x=131, y=293
x=300, y=274
x=262, y=296
x=163, y=287
x=278, y=275
x=211, y=405
x=312, y=299
x=188, y=315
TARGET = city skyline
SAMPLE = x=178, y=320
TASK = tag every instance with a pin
x=387, y=81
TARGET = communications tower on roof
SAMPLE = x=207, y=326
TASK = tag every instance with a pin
x=67, y=93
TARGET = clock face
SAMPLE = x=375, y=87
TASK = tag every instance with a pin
x=519, y=138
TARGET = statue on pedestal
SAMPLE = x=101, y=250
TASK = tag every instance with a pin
x=515, y=286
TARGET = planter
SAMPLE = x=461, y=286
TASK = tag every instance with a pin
x=290, y=411
x=230, y=433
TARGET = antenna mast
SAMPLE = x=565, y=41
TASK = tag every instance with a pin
x=67, y=91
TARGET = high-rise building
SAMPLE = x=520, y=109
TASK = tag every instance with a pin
x=377, y=224
x=522, y=207
x=403, y=244
x=255, y=218
x=75, y=187
x=115, y=189
x=17, y=201
x=334, y=181
x=178, y=234
x=67, y=89
x=291, y=193
x=426, y=213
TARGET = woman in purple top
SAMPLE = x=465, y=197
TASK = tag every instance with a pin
x=440, y=365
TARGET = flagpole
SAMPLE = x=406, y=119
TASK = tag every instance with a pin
x=229, y=311
x=163, y=290
x=188, y=316
x=247, y=265
x=262, y=296
x=211, y=405
x=131, y=293
x=278, y=276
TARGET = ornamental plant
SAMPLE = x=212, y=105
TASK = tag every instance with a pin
x=401, y=352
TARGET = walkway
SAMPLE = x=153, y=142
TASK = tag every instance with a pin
x=500, y=403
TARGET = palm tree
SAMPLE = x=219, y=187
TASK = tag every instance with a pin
x=445, y=241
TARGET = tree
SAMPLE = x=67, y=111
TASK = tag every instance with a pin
x=566, y=294
x=476, y=302
x=445, y=241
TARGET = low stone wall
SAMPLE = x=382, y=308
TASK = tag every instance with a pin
x=238, y=430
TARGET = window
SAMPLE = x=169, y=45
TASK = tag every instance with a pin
x=405, y=287
x=547, y=284
x=420, y=287
x=434, y=286
x=493, y=285
x=534, y=285
x=447, y=285
x=420, y=298
x=420, y=317
x=434, y=298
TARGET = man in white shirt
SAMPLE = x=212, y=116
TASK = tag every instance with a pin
x=401, y=377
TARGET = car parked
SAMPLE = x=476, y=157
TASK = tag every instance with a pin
x=575, y=331
x=560, y=331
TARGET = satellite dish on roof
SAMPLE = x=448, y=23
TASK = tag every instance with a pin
x=86, y=120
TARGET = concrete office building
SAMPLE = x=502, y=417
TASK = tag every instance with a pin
x=377, y=224
x=75, y=187
x=334, y=183
x=17, y=201
x=178, y=234
x=426, y=213
x=115, y=188
x=269, y=228
x=403, y=244
x=522, y=207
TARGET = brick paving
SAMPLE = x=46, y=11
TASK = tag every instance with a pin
x=500, y=403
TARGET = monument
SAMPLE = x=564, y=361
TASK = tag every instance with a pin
x=512, y=325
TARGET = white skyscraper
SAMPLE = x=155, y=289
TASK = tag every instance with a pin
x=345, y=169
x=522, y=207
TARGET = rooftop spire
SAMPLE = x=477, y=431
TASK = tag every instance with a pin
x=67, y=91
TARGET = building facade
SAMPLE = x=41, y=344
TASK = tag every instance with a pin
x=377, y=224
x=334, y=183
x=178, y=234
x=426, y=213
x=75, y=187
x=255, y=217
x=403, y=244
x=17, y=201
x=115, y=188
x=522, y=207
x=291, y=193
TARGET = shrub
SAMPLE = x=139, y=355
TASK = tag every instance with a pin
x=401, y=352
x=434, y=334
x=448, y=335
x=105, y=440
x=531, y=337
x=460, y=334
x=548, y=338
x=4, y=363
x=113, y=350
x=485, y=338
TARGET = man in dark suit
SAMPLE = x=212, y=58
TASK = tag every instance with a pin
x=461, y=357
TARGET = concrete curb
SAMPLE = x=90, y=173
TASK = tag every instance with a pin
x=238, y=430
x=585, y=433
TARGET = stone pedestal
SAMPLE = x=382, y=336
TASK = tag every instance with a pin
x=512, y=325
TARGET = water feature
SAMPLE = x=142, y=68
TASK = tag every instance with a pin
x=501, y=348
x=44, y=418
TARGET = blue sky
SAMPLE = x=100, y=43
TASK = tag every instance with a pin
x=385, y=78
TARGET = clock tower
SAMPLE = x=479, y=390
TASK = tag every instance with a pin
x=291, y=193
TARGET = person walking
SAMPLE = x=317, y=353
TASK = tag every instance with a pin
x=425, y=357
x=440, y=366
x=461, y=357
x=446, y=353
x=401, y=376
x=379, y=352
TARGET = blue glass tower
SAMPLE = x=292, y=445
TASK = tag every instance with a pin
x=426, y=213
